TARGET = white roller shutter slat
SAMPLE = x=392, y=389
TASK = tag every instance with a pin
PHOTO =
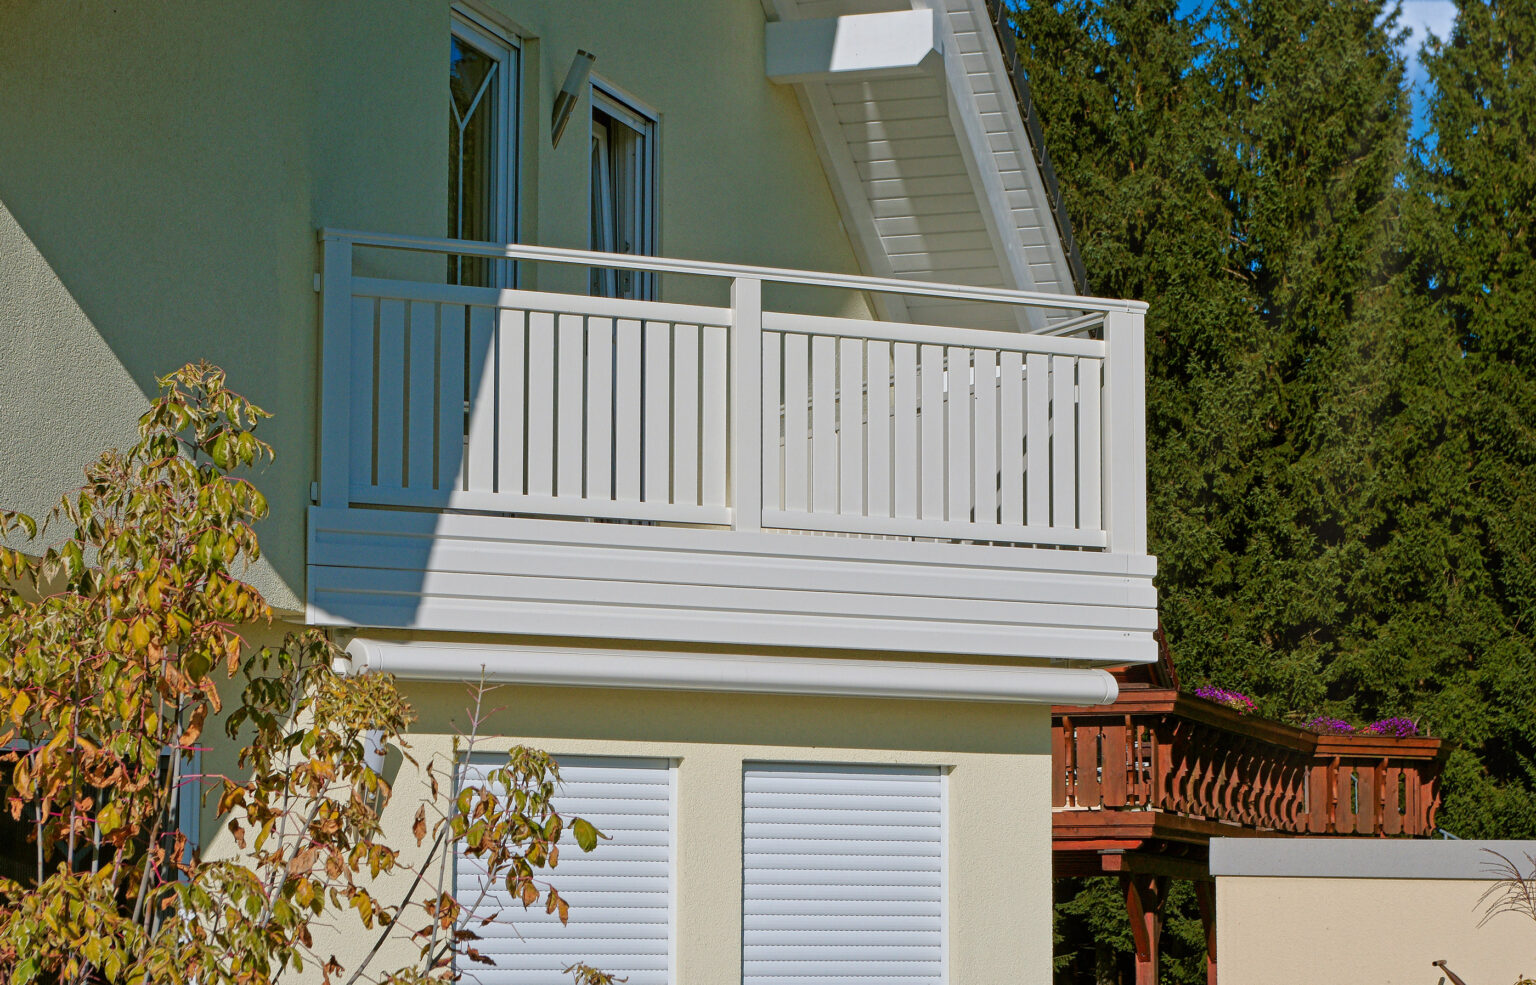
x=843, y=875
x=620, y=893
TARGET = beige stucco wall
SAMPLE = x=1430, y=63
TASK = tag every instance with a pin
x=998, y=762
x=1284, y=931
x=165, y=165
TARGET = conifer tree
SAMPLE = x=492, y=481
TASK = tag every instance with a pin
x=1474, y=263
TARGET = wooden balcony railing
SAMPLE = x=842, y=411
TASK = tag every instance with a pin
x=1181, y=757
x=447, y=397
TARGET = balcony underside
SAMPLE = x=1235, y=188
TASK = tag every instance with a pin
x=468, y=573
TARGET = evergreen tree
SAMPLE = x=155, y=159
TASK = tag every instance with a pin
x=1474, y=263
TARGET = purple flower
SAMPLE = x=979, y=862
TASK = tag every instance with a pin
x=1236, y=700
x=1397, y=726
x=1329, y=726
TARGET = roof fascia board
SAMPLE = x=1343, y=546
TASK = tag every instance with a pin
x=977, y=151
x=1029, y=155
x=853, y=47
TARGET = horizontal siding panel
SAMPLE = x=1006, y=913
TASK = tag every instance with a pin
x=927, y=205
x=921, y=167
x=420, y=571
x=872, y=110
x=905, y=88
x=888, y=149
x=916, y=187
x=954, y=222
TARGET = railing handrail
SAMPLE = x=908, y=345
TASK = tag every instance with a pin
x=708, y=268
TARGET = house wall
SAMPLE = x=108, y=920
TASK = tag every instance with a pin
x=1316, y=910
x=997, y=757
x=164, y=168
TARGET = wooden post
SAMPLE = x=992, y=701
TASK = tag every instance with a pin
x=335, y=372
x=1124, y=449
x=746, y=431
x=1144, y=895
x=1205, y=896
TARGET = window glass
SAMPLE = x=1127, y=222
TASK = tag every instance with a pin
x=623, y=193
x=481, y=70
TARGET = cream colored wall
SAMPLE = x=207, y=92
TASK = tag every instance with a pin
x=997, y=755
x=165, y=167
x=1282, y=931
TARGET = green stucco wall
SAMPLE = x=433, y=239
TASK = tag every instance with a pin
x=164, y=167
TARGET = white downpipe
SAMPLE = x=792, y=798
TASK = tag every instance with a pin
x=732, y=672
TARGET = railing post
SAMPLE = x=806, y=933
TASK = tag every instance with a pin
x=335, y=371
x=746, y=404
x=1125, y=432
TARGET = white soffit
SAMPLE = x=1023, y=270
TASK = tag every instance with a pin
x=933, y=171
x=741, y=673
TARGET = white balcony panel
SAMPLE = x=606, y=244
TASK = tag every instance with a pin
x=395, y=569
x=520, y=462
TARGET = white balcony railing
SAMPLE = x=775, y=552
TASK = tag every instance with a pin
x=444, y=397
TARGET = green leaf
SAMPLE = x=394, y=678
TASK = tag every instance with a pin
x=586, y=834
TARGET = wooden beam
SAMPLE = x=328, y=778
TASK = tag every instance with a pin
x=1144, y=897
x=1205, y=896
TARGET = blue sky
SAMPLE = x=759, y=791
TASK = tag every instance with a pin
x=1420, y=17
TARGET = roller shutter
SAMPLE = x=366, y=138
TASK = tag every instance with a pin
x=843, y=875
x=620, y=893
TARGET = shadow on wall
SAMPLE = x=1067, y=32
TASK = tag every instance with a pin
x=161, y=209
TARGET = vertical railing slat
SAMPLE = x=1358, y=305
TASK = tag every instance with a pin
x=985, y=441
x=480, y=457
x=362, y=326
x=906, y=426
x=958, y=411
x=1011, y=438
x=570, y=427
x=823, y=424
x=541, y=403
x=931, y=451
x=422, y=427
x=511, y=351
x=452, y=327
x=1089, y=439
x=850, y=429
x=658, y=404
x=600, y=345
x=390, y=442
x=685, y=414
x=773, y=422
x=627, y=412
x=796, y=425
x=714, y=416
x=1063, y=442
x=878, y=395
x=1038, y=441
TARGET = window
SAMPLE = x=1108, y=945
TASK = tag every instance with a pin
x=482, y=87
x=842, y=874
x=620, y=893
x=623, y=192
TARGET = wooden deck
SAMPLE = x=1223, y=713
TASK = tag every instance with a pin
x=1141, y=786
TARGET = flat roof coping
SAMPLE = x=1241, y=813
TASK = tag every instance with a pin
x=1366, y=858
